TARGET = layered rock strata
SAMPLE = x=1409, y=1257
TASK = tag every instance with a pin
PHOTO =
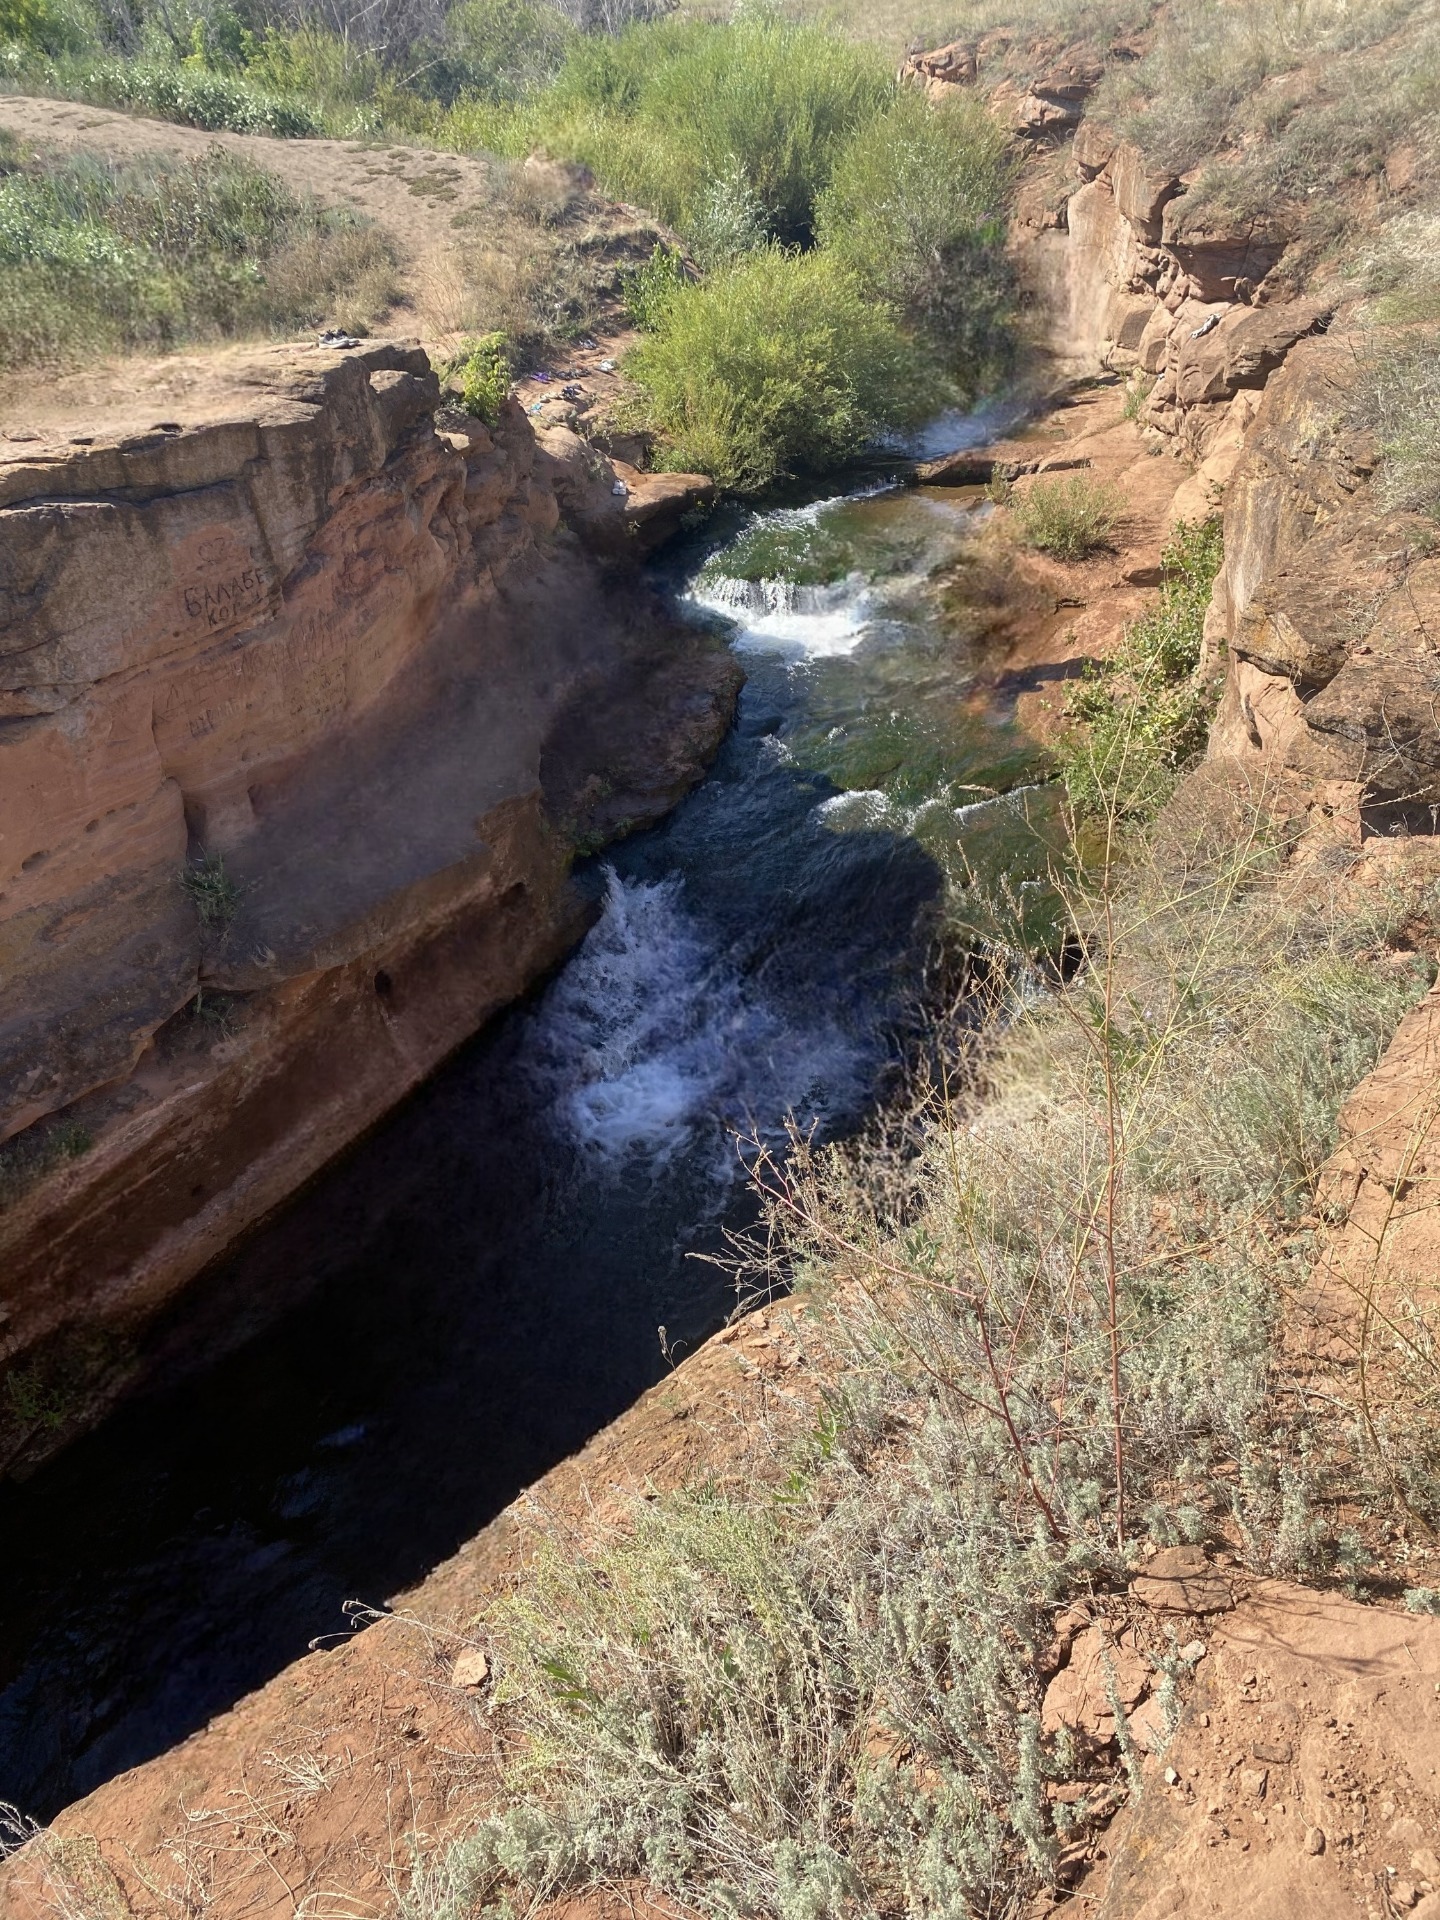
x=306, y=695
x=1243, y=364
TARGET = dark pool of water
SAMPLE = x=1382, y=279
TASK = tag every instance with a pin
x=482, y=1281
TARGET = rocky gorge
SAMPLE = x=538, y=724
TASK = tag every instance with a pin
x=283, y=835
x=1302, y=1770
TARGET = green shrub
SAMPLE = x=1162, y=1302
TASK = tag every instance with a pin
x=167, y=90
x=497, y=49
x=916, y=206
x=729, y=221
x=1146, y=711
x=666, y=108
x=781, y=364
x=348, y=88
x=153, y=252
x=46, y=26
x=482, y=370
x=648, y=289
x=1068, y=518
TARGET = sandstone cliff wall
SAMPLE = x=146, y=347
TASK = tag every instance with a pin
x=335, y=652
x=1245, y=353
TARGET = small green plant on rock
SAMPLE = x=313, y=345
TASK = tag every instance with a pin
x=1146, y=712
x=1137, y=393
x=27, y=1158
x=1070, y=518
x=216, y=895
x=481, y=371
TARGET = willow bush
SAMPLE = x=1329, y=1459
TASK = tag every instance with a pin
x=782, y=364
x=916, y=206
x=666, y=108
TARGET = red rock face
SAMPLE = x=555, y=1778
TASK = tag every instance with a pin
x=306, y=634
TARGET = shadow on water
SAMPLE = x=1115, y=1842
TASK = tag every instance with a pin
x=481, y=1281
x=484, y=1288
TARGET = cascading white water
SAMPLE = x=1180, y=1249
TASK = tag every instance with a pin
x=777, y=615
x=651, y=1036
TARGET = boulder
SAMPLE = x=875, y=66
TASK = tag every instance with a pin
x=1219, y=255
x=938, y=72
x=1242, y=349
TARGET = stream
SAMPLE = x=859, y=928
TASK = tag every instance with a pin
x=518, y=1252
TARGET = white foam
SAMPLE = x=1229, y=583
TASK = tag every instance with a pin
x=776, y=616
x=650, y=1038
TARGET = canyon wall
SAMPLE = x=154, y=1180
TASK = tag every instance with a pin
x=1243, y=343
x=309, y=692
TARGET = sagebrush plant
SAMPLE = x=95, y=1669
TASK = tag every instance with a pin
x=1145, y=712
x=1043, y=1299
x=1070, y=518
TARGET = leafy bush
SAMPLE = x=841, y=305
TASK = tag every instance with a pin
x=46, y=26
x=1069, y=518
x=665, y=109
x=96, y=256
x=167, y=90
x=1146, y=711
x=780, y=365
x=482, y=370
x=648, y=289
x=916, y=206
x=497, y=50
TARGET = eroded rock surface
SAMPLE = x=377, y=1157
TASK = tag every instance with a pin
x=282, y=623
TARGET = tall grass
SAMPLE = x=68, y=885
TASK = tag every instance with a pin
x=1212, y=82
x=96, y=256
